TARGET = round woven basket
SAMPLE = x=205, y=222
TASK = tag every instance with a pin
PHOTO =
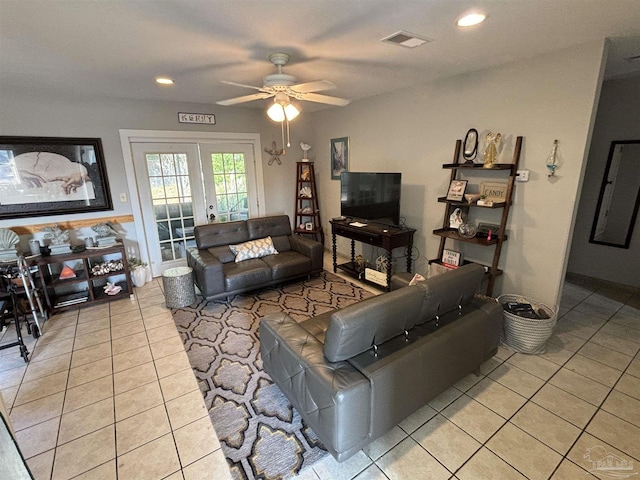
x=527, y=335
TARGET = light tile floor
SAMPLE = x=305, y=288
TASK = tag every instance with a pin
x=109, y=394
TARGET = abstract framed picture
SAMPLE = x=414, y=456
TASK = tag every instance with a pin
x=52, y=176
x=339, y=157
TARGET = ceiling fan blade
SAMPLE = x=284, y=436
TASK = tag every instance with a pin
x=315, y=86
x=243, y=85
x=314, y=97
x=245, y=98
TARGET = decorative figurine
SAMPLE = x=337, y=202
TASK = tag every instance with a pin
x=8, y=241
x=56, y=235
x=275, y=153
x=552, y=161
x=491, y=151
x=106, y=234
x=104, y=229
x=305, y=148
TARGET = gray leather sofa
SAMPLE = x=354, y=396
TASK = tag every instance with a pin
x=354, y=373
x=217, y=274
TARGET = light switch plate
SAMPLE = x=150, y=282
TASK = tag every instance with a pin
x=123, y=197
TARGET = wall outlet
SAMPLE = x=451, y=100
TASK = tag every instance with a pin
x=123, y=197
x=522, y=175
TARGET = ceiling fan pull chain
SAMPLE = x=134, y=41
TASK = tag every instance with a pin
x=282, y=128
x=288, y=143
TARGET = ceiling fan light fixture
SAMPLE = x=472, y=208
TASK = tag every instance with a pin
x=291, y=111
x=276, y=112
x=471, y=19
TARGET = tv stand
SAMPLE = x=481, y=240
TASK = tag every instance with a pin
x=377, y=235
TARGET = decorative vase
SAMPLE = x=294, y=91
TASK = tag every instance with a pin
x=139, y=276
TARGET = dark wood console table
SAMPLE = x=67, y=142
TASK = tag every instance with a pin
x=372, y=234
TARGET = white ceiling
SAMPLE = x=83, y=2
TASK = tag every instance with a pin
x=116, y=48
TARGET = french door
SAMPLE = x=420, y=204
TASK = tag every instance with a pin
x=183, y=184
x=168, y=185
x=228, y=172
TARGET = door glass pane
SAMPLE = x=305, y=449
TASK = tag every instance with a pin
x=230, y=180
x=172, y=203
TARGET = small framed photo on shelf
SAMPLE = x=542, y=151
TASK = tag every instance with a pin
x=456, y=190
x=451, y=257
x=308, y=226
x=495, y=192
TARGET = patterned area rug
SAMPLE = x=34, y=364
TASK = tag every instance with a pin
x=262, y=436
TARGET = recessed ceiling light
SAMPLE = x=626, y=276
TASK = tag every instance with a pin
x=164, y=81
x=471, y=19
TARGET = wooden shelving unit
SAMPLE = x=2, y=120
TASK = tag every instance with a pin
x=85, y=285
x=307, y=209
x=447, y=234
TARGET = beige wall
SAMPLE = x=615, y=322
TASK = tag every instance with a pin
x=414, y=131
x=27, y=113
x=618, y=118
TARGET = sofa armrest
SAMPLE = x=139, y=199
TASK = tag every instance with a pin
x=309, y=248
x=207, y=271
x=334, y=398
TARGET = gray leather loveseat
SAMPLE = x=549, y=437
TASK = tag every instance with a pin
x=217, y=273
x=354, y=373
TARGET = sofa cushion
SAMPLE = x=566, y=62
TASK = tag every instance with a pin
x=356, y=328
x=444, y=292
x=223, y=253
x=258, y=248
x=288, y=264
x=281, y=242
x=268, y=226
x=245, y=274
x=216, y=234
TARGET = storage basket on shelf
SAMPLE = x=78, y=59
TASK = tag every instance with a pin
x=524, y=334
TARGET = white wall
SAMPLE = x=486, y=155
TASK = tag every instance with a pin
x=414, y=131
x=618, y=118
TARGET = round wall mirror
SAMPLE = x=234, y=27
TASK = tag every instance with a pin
x=470, y=145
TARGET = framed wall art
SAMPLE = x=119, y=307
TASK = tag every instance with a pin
x=339, y=157
x=52, y=176
x=456, y=190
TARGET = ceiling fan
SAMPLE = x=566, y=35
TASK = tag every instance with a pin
x=283, y=87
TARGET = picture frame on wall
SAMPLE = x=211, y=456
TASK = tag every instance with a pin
x=339, y=156
x=456, y=190
x=42, y=176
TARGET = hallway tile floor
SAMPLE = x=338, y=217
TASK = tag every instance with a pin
x=109, y=394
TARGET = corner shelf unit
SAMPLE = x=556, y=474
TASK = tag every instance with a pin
x=307, y=210
x=85, y=288
x=449, y=234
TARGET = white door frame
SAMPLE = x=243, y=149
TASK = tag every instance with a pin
x=168, y=136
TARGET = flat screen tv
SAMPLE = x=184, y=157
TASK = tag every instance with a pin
x=374, y=197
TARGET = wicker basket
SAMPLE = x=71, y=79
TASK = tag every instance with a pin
x=527, y=335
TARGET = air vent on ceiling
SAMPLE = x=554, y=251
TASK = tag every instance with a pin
x=406, y=39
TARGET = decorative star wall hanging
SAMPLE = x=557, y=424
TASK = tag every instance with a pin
x=275, y=153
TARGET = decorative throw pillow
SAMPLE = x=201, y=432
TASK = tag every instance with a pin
x=253, y=249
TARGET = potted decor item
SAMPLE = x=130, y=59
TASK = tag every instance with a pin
x=138, y=271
